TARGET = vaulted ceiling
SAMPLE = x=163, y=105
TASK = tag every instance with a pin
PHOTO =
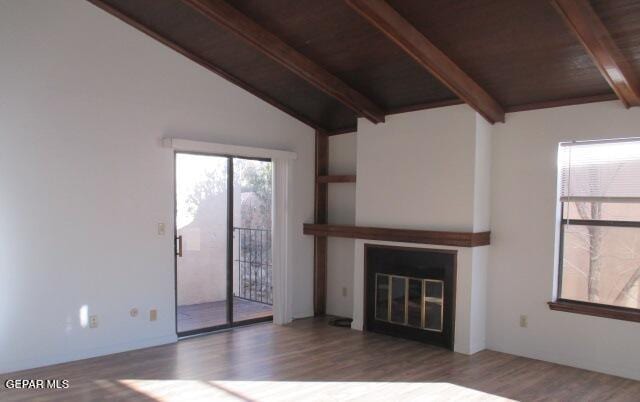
x=326, y=62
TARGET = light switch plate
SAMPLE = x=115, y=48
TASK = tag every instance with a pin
x=524, y=321
x=161, y=229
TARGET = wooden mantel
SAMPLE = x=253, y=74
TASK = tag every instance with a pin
x=456, y=239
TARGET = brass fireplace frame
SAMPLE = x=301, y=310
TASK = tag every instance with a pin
x=423, y=300
x=440, y=265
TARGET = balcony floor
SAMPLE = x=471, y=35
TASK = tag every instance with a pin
x=196, y=316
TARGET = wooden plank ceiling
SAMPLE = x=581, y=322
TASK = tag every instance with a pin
x=330, y=62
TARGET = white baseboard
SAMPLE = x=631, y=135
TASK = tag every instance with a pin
x=358, y=325
x=41, y=361
x=574, y=361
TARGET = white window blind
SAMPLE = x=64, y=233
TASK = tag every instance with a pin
x=606, y=171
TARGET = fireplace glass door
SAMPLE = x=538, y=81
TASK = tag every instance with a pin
x=410, y=293
x=408, y=301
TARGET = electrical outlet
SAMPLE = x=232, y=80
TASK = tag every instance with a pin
x=153, y=315
x=344, y=291
x=524, y=321
x=93, y=321
x=161, y=229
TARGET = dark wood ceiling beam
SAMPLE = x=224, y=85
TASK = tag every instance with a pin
x=508, y=109
x=594, y=36
x=204, y=63
x=424, y=106
x=340, y=131
x=403, y=109
x=562, y=102
x=233, y=20
x=381, y=15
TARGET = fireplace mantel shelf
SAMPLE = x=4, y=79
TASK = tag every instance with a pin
x=456, y=239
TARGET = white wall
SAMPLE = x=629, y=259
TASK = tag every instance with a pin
x=481, y=223
x=84, y=180
x=417, y=170
x=482, y=176
x=342, y=210
x=522, y=262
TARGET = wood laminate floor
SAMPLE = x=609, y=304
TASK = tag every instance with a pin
x=309, y=360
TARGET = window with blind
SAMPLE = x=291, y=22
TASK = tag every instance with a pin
x=600, y=225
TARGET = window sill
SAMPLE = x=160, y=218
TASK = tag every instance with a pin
x=598, y=310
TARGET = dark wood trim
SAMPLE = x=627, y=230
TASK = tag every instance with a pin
x=405, y=109
x=381, y=15
x=202, y=62
x=597, y=310
x=320, y=276
x=598, y=222
x=561, y=102
x=239, y=24
x=508, y=109
x=347, y=130
x=456, y=239
x=336, y=179
x=594, y=36
x=229, y=278
x=321, y=207
x=425, y=106
x=321, y=169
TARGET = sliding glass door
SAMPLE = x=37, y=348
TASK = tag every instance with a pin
x=223, y=242
x=252, y=290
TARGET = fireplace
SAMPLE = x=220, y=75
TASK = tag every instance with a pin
x=410, y=293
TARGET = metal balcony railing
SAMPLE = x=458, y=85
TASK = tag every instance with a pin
x=252, y=259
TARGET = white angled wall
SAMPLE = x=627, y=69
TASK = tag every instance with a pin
x=85, y=101
x=523, y=227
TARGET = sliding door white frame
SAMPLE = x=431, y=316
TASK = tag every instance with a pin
x=282, y=290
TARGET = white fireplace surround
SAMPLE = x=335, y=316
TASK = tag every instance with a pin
x=470, y=315
x=454, y=197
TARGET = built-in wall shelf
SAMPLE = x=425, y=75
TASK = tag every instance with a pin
x=456, y=239
x=349, y=178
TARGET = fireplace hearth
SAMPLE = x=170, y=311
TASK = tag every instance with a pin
x=410, y=293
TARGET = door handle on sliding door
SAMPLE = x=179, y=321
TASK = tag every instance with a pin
x=179, y=246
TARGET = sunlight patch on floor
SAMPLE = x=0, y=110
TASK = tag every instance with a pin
x=174, y=390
